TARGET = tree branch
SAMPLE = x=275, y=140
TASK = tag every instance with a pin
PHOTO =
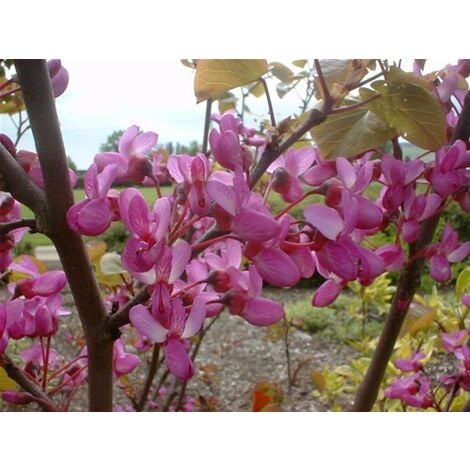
x=16, y=374
x=7, y=227
x=121, y=318
x=270, y=153
x=410, y=279
x=35, y=83
x=20, y=185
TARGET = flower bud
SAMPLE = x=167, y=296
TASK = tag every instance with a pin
x=281, y=181
x=8, y=144
x=235, y=301
x=17, y=398
x=7, y=202
x=220, y=280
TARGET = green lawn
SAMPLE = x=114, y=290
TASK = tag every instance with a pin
x=274, y=200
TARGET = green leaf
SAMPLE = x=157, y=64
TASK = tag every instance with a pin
x=283, y=88
x=462, y=285
x=280, y=71
x=408, y=105
x=110, y=264
x=351, y=132
x=227, y=101
x=5, y=382
x=257, y=90
x=216, y=76
x=299, y=63
x=419, y=317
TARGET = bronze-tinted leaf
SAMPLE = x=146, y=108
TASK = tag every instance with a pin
x=299, y=63
x=280, y=71
x=227, y=101
x=216, y=76
x=408, y=105
x=5, y=382
x=351, y=132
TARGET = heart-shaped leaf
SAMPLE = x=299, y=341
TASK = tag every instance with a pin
x=216, y=76
x=351, y=132
x=408, y=105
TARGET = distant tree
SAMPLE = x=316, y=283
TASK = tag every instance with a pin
x=72, y=164
x=111, y=144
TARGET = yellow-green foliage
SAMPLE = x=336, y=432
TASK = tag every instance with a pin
x=336, y=386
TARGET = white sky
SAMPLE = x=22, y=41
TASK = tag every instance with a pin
x=106, y=95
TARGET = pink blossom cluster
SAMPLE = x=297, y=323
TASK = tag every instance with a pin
x=416, y=388
x=191, y=278
x=211, y=243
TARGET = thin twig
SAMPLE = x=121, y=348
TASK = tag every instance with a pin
x=207, y=125
x=121, y=318
x=153, y=368
x=17, y=375
x=327, y=99
x=270, y=104
x=9, y=226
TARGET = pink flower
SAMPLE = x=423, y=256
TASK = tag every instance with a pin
x=320, y=172
x=245, y=214
x=392, y=255
x=172, y=333
x=37, y=284
x=416, y=209
x=355, y=180
x=450, y=168
x=453, y=341
x=3, y=328
x=193, y=173
x=287, y=169
x=34, y=356
x=244, y=299
x=94, y=215
x=412, y=364
x=225, y=145
x=396, y=175
x=339, y=254
x=327, y=293
x=447, y=251
x=414, y=390
x=123, y=362
x=279, y=262
x=148, y=229
x=130, y=160
x=31, y=165
x=59, y=76
x=10, y=211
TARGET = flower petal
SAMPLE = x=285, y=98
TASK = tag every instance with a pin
x=177, y=360
x=223, y=195
x=326, y=294
x=277, y=268
x=94, y=217
x=327, y=220
x=254, y=226
x=195, y=318
x=439, y=268
x=262, y=312
x=146, y=325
